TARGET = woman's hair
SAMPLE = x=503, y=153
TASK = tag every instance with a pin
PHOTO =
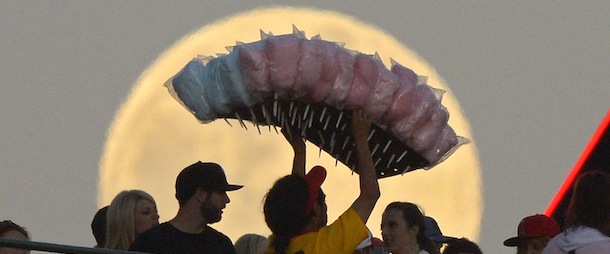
x=590, y=202
x=120, y=221
x=251, y=244
x=414, y=217
x=7, y=225
x=284, y=210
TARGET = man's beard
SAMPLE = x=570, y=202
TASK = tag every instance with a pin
x=210, y=213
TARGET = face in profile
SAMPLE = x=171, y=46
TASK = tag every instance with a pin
x=397, y=235
x=14, y=234
x=211, y=209
x=534, y=245
x=145, y=216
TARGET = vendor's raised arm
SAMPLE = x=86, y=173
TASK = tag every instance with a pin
x=298, y=146
x=369, y=187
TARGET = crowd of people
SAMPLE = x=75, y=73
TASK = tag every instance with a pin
x=295, y=210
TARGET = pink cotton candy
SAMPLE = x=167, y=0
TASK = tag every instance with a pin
x=255, y=69
x=419, y=104
x=443, y=146
x=380, y=99
x=366, y=75
x=427, y=133
x=342, y=84
x=329, y=71
x=309, y=68
x=406, y=77
x=400, y=100
x=283, y=55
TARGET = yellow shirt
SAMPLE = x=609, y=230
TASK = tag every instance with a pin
x=342, y=236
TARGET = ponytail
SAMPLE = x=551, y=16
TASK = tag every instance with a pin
x=283, y=209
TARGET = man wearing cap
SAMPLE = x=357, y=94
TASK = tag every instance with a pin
x=201, y=191
x=533, y=233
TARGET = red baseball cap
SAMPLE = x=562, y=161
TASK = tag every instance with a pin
x=534, y=226
x=314, y=178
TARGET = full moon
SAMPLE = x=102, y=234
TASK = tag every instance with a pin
x=153, y=137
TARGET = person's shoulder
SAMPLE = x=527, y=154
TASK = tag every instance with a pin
x=156, y=232
x=551, y=246
x=149, y=240
x=223, y=241
x=216, y=233
x=163, y=227
x=603, y=245
x=351, y=215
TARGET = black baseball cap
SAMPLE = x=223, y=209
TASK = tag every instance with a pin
x=207, y=175
x=98, y=226
x=434, y=231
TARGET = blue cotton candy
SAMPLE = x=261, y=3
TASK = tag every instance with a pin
x=189, y=87
x=232, y=80
x=214, y=89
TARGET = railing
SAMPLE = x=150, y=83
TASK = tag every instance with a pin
x=58, y=248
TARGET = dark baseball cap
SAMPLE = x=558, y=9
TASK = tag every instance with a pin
x=434, y=231
x=98, y=226
x=207, y=175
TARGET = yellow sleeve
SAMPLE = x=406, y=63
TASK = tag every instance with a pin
x=342, y=236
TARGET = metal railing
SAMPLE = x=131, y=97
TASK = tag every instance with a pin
x=58, y=248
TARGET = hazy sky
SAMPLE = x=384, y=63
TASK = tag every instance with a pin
x=531, y=78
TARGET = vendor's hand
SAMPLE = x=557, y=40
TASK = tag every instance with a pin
x=298, y=145
x=369, y=186
x=361, y=124
x=294, y=138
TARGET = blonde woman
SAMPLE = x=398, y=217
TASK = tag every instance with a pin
x=130, y=213
x=251, y=244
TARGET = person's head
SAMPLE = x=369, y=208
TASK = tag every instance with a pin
x=403, y=228
x=205, y=185
x=130, y=213
x=9, y=229
x=251, y=244
x=294, y=204
x=533, y=233
x=462, y=246
x=98, y=227
x=590, y=202
x=434, y=232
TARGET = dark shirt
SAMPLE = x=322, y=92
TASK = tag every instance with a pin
x=166, y=239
